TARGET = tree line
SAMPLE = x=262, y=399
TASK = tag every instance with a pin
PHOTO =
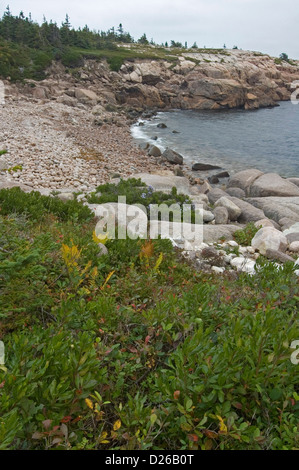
x=23, y=30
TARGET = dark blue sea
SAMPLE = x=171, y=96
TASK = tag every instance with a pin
x=267, y=139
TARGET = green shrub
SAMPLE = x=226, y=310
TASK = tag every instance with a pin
x=72, y=59
x=244, y=236
x=36, y=206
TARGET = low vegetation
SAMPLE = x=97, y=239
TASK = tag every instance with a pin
x=136, y=349
x=243, y=237
x=136, y=192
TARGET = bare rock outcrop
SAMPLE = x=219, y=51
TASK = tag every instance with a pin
x=193, y=80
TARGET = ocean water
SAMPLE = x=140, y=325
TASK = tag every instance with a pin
x=267, y=139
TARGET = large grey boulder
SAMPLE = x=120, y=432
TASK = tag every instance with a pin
x=213, y=233
x=221, y=215
x=272, y=184
x=166, y=183
x=249, y=212
x=268, y=238
x=233, y=210
x=277, y=208
x=263, y=223
x=236, y=192
x=154, y=151
x=244, y=179
x=204, y=167
x=294, y=181
x=67, y=100
x=204, y=188
x=205, y=233
x=173, y=157
x=86, y=96
x=214, y=194
x=292, y=233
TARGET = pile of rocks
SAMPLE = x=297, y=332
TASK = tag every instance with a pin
x=221, y=216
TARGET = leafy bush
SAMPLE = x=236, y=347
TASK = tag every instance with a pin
x=37, y=206
x=244, y=236
x=72, y=59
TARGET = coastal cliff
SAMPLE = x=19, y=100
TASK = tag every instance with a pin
x=211, y=79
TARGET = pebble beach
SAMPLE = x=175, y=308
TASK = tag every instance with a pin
x=53, y=146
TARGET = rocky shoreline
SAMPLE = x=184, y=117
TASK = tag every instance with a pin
x=274, y=212
x=71, y=143
x=53, y=147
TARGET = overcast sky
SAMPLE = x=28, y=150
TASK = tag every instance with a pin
x=269, y=26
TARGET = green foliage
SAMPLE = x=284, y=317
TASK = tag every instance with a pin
x=136, y=350
x=36, y=206
x=71, y=58
x=3, y=152
x=143, y=40
x=284, y=57
x=244, y=236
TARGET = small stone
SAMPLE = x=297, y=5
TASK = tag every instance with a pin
x=294, y=247
x=209, y=252
x=213, y=179
x=178, y=171
x=218, y=269
x=162, y=125
x=222, y=174
x=278, y=256
x=208, y=216
x=232, y=243
x=204, y=167
x=243, y=265
x=103, y=250
x=66, y=196
x=173, y=157
x=228, y=258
